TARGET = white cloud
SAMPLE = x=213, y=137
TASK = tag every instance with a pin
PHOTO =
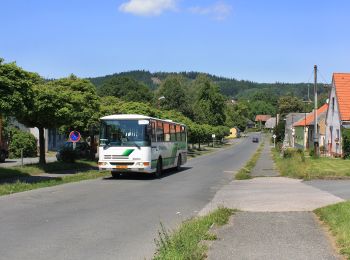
x=218, y=11
x=147, y=7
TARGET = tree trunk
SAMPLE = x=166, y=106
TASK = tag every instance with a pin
x=41, y=146
x=199, y=145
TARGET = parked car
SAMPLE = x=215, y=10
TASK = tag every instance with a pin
x=255, y=139
x=82, y=149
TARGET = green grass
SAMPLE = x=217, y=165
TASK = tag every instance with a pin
x=33, y=169
x=185, y=242
x=193, y=153
x=337, y=217
x=244, y=173
x=19, y=186
x=311, y=168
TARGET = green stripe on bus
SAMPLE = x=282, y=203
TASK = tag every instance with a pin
x=127, y=152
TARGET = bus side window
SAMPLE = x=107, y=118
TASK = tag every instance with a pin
x=178, y=132
x=166, y=132
x=153, y=132
x=183, y=134
x=160, y=132
x=172, y=133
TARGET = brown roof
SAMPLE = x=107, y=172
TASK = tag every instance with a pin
x=310, y=118
x=262, y=118
x=342, y=88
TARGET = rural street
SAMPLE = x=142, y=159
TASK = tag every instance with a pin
x=108, y=218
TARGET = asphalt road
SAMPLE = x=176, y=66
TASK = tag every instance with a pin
x=340, y=188
x=112, y=219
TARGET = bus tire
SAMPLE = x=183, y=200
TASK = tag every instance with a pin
x=179, y=162
x=159, y=168
x=2, y=156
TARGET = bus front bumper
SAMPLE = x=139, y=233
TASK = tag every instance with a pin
x=126, y=167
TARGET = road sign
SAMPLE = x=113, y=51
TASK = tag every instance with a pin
x=274, y=136
x=74, y=136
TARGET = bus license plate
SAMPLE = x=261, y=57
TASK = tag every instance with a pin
x=121, y=166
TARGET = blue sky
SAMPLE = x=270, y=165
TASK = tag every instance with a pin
x=263, y=41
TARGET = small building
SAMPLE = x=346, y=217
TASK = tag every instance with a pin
x=289, y=131
x=271, y=123
x=234, y=133
x=338, y=114
x=260, y=120
x=304, y=129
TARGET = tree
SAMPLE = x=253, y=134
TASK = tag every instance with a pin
x=289, y=104
x=176, y=95
x=125, y=88
x=15, y=88
x=210, y=104
x=69, y=103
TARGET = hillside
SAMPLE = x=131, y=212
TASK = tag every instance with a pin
x=237, y=89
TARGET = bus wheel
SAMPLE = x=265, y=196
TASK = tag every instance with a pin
x=2, y=156
x=179, y=162
x=159, y=169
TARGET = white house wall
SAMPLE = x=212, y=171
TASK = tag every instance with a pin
x=333, y=121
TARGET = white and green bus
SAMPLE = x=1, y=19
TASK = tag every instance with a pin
x=137, y=143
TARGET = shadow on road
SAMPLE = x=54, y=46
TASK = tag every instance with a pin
x=146, y=176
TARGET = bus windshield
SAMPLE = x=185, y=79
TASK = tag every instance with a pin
x=125, y=133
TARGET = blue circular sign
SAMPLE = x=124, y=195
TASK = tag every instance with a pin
x=74, y=136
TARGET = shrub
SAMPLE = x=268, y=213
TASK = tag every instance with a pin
x=22, y=140
x=346, y=143
x=312, y=152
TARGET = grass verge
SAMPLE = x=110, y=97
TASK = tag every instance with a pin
x=301, y=167
x=33, y=169
x=185, y=242
x=244, y=173
x=337, y=217
x=195, y=152
x=19, y=186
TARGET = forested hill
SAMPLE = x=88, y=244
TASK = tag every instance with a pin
x=238, y=89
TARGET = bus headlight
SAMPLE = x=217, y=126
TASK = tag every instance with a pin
x=142, y=164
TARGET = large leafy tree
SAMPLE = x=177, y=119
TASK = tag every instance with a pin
x=289, y=104
x=126, y=88
x=175, y=91
x=210, y=104
x=69, y=103
x=15, y=88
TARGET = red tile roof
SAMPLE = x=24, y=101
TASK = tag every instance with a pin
x=263, y=118
x=342, y=88
x=310, y=117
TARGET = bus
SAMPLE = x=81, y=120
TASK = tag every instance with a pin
x=138, y=143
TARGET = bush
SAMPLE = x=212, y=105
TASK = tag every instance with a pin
x=22, y=140
x=312, y=152
x=346, y=143
x=67, y=154
x=293, y=153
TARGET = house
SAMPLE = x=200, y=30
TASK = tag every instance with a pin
x=338, y=114
x=290, y=119
x=304, y=129
x=271, y=123
x=234, y=133
x=261, y=120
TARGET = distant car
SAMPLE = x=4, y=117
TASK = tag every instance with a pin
x=82, y=149
x=255, y=139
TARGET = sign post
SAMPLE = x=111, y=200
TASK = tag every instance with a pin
x=74, y=137
x=213, y=136
x=274, y=141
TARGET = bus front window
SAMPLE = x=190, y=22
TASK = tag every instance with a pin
x=125, y=133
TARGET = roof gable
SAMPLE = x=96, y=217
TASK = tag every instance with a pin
x=341, y=81
x=310, y=117
x=262, y=118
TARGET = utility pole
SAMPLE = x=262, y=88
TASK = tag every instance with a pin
x=316, y=144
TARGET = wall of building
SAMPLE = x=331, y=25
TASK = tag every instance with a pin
x=333, y=129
